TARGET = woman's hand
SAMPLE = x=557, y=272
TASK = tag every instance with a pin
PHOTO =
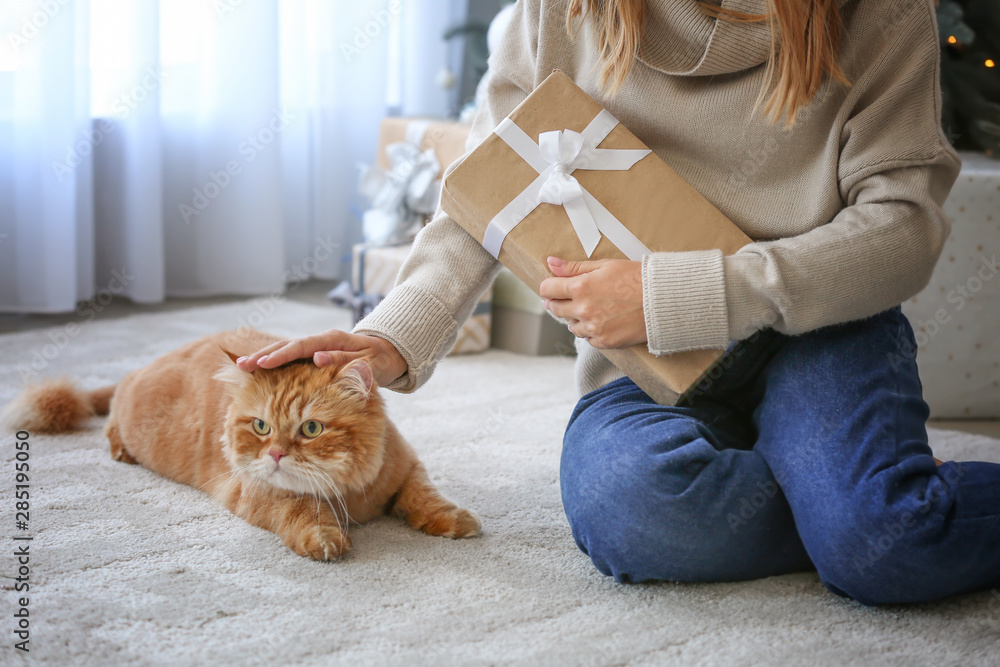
x=329, y=348
x=601, y=300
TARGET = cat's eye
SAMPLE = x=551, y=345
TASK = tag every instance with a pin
x=261, y=427
x=312, y=428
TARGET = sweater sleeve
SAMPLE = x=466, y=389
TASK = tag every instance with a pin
x=895, y=170
x=447, y=270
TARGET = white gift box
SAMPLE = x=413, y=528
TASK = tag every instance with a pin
x=956, y=318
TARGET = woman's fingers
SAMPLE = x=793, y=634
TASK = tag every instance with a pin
x=331, y=348
x=302, y=348
x=282, y=352
x=562, y=308
x=555, y=288
x=249, y=363
x=335, y=357
x=290, y=351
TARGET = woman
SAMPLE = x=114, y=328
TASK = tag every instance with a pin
x=823, y=144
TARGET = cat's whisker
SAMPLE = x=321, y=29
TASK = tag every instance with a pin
x=239, y=469
x=314, y=471
x=334, y=489
x=317, y=469
x=251, y=482
x=227, y=472
x=313, y=485
x=317, y=494
x=343, y=508
x=346, y=452
x=224, y=472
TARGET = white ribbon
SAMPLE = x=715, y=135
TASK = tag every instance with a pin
x=401, y=195
x=555, y=157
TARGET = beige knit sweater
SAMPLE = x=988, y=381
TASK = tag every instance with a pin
x=844, y=208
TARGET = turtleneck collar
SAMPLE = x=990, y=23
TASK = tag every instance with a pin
x=679, y=38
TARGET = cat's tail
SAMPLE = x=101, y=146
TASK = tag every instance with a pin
x=55, y=406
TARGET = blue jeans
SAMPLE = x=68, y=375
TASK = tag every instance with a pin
x=801, y=452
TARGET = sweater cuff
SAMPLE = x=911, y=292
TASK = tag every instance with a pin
x=684, y=301
x=418, y=325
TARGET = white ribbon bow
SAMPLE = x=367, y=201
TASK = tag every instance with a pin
x=401, y=195
x=555, y=157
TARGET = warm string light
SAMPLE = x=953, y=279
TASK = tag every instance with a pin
x=989, y=61
x=959, y=48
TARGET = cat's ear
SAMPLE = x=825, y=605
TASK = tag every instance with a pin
x=232, y=357
x=231, y=374
x=357, y=378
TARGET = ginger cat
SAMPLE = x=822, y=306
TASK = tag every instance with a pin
x=298, y=450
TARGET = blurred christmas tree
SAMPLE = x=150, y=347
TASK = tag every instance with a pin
x=970, y=75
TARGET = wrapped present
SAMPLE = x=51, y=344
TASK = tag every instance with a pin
x=373, y=274
x=522, y=325
x=445, y=138
x=404, y=185
x=560, y=176
x=956, y=317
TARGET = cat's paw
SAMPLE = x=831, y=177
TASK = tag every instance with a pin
x=322, y=543
x=455, y=522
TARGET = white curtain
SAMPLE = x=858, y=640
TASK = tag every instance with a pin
x=197, y=147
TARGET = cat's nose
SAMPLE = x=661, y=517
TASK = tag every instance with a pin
x=276, y=455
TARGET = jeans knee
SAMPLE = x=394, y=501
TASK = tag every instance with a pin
x=877, y=562
x=641, y=515
x=602, y=505
x=610, y=533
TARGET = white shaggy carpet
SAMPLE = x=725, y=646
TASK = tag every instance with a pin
x=130, y=568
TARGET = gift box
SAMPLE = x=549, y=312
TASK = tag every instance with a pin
x=445, y=138
x=522, y=325
x=560, y=176
x=374, y=271
x=404, y=184
x=956, y=317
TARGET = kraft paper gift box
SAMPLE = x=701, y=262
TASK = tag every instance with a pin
x=446, y=138
x=516, y=193
x=373, y=274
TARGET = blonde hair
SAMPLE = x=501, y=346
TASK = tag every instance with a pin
x=810, y=32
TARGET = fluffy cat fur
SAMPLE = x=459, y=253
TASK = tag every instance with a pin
x=190, y=416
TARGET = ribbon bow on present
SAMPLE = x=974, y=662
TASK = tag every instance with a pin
x=555, y=157
x=400, y=196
